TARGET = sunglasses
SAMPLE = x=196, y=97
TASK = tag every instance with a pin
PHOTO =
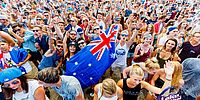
x=96, y=29
x=38, y=19
x=124, y=35
x=72, y=34
x=35, y=30
x=46, y=15
x=16, y=30
x=8, y=85
x=72, y=21
x=81, y=43
x=59, y=46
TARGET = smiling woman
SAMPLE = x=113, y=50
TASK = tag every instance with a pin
x=16, y=86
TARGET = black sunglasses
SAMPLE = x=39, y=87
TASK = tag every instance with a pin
x=59, y=46
x=35, y=30
x=38, y=19
x=96, y=29
x=81, y=43
x=16, y=30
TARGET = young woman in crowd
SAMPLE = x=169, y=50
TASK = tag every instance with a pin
x=149, y=67
x=167, y=52
x=143, y=50
x=160, y=76
x=131, y=86
x=16, y=86
x=108, y=90
x=182, y=27
x=122, y=47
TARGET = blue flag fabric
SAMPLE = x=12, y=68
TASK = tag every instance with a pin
x=89, y=64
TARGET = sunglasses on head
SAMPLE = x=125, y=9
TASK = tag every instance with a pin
x=8, y=85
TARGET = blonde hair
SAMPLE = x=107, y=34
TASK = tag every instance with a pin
x=136, y=70
x=152, y=63
x=177, y=75
x=109, y=86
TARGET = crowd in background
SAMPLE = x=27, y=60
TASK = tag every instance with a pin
x=158, y=45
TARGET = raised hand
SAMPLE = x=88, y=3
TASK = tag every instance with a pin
x=169, y=69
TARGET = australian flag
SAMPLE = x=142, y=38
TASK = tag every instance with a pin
x=89, y=64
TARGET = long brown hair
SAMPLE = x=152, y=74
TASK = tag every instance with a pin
x=177, y=75
x=8, y=92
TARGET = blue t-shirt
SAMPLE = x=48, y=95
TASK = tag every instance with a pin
x=29, y=41
x=70, y=88
x=49, y=61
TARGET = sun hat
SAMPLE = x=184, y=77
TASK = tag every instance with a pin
x=10, y=74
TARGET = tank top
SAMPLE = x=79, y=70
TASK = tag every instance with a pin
x=101, y=97
x=121, y=54
x=33, y=85
x=130, y=93
x=161, y=61
x=144, y=57
x=159, y=82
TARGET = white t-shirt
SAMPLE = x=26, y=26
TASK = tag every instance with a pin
x=121, y=54
x=32, y=87
x=8, y=60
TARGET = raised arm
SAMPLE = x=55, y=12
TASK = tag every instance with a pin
x=23, y=62
x=131, y=40
x=169, y=69
x=8, y=38
x=126, y=71
x=58, y=31
x=52, y=48
x=65, y=43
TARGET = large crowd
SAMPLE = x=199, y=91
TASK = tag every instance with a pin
x=157, y=49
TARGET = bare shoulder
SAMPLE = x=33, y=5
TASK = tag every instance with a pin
x=96, y=88
x=120, y=83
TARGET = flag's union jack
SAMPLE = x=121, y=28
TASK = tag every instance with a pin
x=89, y=64
x=104, y=42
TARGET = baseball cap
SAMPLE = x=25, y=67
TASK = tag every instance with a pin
x=72, y=43
x=171, y=28
x=10, y=74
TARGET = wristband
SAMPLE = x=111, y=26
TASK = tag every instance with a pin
x=169, y=78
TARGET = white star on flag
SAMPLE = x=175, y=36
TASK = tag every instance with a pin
x=112, y=55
